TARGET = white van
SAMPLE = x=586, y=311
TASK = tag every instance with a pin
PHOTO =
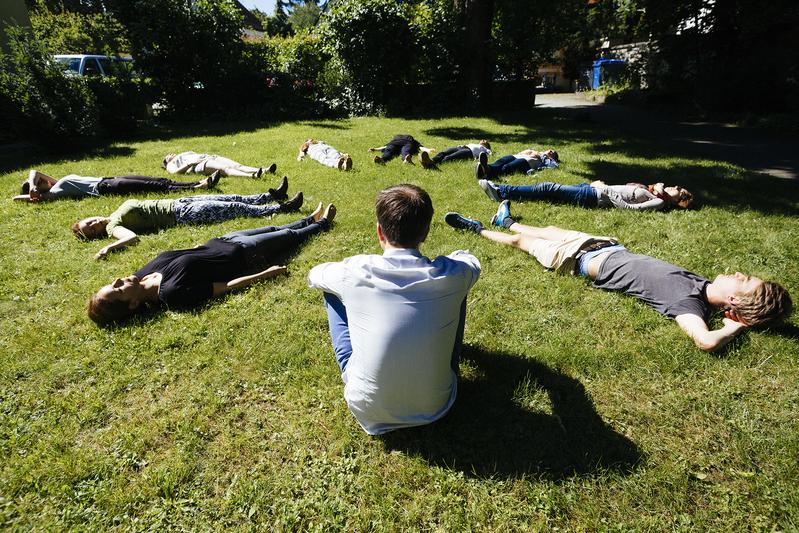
x=92, y=65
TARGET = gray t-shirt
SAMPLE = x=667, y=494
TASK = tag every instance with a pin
x=668, y=289
x=74, y=186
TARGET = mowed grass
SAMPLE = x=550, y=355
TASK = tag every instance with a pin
x=578, y=409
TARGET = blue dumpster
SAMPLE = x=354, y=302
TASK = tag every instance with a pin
x=606, y=70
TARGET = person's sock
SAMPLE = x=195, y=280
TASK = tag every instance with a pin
x=508, y=222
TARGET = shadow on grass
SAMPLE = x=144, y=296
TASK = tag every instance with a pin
x=488, y=434
x=27, y=156
x=325, y=125
x=710, y=185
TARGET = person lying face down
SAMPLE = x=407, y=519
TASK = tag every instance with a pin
x=672, y=291
x=187, y=278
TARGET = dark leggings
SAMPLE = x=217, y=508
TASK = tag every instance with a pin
x=403, y=145
x=451, y=154
x=124, y=185
x=262, y=244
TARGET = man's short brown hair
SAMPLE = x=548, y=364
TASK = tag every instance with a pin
x=404, y=213
x=768, y=304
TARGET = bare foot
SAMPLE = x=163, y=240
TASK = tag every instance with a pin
x=317, y=214
x=330, y=213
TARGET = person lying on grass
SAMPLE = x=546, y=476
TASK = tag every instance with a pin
x=668, y=289
x=187, y=278
x=597, y=194
x=455, y=153
x=149, y=216
x=525, y=162
x=405, y=146
x=396, y=319
x=188, y=162
x=40, y=187
x=325, y=154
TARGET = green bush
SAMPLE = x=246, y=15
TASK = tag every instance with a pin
x=78, y=33
x=372, y=46
x=289, y=70
x=40, y=100
x=192, y=51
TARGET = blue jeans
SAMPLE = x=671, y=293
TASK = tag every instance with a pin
x=269, y=242
x=582, y=263
x=508, y=165
x=583, y=194
x=340, y=332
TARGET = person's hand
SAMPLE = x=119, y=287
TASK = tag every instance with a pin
x=101, y=254
x=276, y=270
x=373, y=149
x=732, y=320
x=35, y=195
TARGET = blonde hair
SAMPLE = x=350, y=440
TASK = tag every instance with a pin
x=485, y=143
x=768, y=303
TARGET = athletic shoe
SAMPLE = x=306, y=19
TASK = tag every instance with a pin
x=347, y=165
x=482, y=166
x=271, y=169
x=424, y=159
x=280, y=192
x=491, y=190
x=292, y=205
x=408, y=159
x=214, y=178
x=458, y=221
x=503, y=213
x=480, y=171
x=379, y=160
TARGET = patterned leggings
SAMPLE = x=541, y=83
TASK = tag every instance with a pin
x=211, y=208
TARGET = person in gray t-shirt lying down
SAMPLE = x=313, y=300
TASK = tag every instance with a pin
x=670, y=290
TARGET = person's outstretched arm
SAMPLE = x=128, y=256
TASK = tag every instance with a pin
x=706, y=339
x=124, y=238
x=222, y=287
x=378, y=149
x=24, y=198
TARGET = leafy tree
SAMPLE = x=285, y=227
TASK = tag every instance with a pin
x=372, y=47
x=192, y=49
x=70, y=32
x=303, y=17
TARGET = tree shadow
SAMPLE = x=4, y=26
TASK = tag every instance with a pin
x=325, y=125
x=710, y=185
x=489, y=432
x=27, y=155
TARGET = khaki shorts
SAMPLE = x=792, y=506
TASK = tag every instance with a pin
x=561, y=255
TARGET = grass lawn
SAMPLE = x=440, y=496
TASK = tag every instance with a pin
x=578, y=409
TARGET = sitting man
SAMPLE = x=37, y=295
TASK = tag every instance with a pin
x=396, y=320
x=669, y=289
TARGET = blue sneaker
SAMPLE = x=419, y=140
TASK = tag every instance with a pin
x=491, y=190
x=503, y=213
x=458, y=221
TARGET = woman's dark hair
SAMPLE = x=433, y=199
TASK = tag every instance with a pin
x=105, y=312
x=26, y=187
x=404, y=213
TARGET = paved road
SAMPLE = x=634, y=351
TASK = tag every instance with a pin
x=754, y=149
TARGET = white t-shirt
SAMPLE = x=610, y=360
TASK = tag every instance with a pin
x=186, y=162
x=403, y=311
x=477, y=149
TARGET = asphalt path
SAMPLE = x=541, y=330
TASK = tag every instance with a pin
x=755, y=149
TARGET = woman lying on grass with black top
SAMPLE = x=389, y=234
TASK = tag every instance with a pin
x=187, y=278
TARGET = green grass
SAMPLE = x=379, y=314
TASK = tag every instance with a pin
x=579, y=409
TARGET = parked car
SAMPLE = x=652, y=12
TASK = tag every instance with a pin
x=93, y=65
